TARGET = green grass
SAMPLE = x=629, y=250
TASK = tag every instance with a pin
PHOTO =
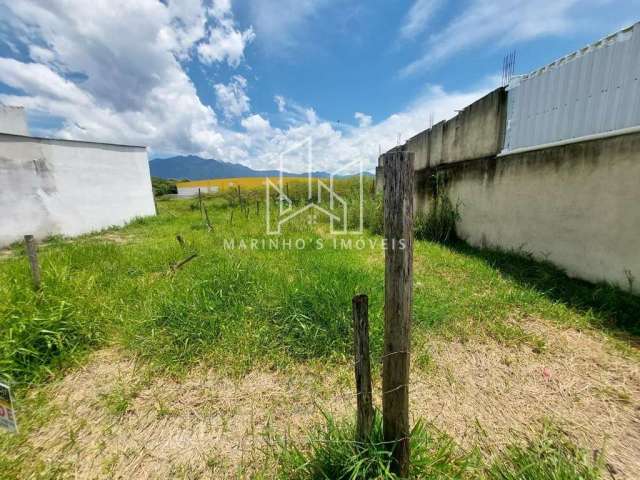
x=330, y=452
x=243, y=307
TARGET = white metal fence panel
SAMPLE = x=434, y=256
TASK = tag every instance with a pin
x=594, y=90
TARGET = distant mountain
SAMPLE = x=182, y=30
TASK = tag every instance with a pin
x=193, y=167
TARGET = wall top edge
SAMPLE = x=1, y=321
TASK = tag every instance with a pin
x=62, y=140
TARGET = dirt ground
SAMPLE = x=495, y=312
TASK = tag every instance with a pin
x=205, y=426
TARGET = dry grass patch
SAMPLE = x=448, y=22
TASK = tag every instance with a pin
x=481, y=393
x=125, y=423
x=118, y=420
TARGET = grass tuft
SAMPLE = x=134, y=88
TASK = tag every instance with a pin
x=331, y=452
x=548, y=457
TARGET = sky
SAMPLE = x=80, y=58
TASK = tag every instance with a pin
x=242, y=81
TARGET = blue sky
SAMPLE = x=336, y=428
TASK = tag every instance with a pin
x=242, y=81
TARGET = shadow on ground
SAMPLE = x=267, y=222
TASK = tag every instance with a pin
x=612, y=308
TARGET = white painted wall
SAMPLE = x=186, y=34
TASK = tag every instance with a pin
x=13, y=120
x=70, y=188
x=193, y=191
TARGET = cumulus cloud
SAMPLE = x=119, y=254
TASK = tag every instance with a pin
x=363, y=119
x=255, y=123
x=232, y=98
x=114, y=74
x=334, y=146
x=225, y=42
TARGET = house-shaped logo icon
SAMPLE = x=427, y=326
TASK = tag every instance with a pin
x=321, y=198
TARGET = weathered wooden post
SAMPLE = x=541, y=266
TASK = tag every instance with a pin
x=180, y=240
x=257, y=207
x=32, y=253
x=360, y=313
x=239, y=197
x=206, y=217
x=200, y=205
x=398, y=226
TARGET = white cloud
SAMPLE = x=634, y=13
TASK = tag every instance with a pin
x=115, y=75
x=255, y=123
x=279, y=24
x=499, y=22
x=419, y=17
x=232, y=98
x=363, y=120
x=281, y=103
x=225, y=43
x=128, y=84
x=335, y=146
x=40, y=54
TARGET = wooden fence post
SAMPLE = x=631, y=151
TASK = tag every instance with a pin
x=206, y=216
x=360, y=313
x=32, y=253
x=257, y=207
x=398, y=226
x=200, y=205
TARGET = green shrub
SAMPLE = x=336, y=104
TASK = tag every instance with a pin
x=162, y=186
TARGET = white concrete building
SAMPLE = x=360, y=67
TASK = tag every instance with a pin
x=66, y=187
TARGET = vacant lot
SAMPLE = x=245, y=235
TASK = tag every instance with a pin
x=124, y=367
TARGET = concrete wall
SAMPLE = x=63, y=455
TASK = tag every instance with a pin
x=575, y=205
x=65, y=187
x=476, y=132
x=13, y=120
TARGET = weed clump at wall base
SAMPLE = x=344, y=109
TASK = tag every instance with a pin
x=439, y=223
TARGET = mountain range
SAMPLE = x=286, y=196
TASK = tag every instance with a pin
x=192, y=167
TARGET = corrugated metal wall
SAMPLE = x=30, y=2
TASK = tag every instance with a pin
x=594, y=90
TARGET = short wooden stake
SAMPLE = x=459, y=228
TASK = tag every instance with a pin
x=206, y=216
x=182, y=262
x=180, y=240
x=257, y=207
x=32, y=253
x=360, y=313
x=200, y=205
x=398, y=226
